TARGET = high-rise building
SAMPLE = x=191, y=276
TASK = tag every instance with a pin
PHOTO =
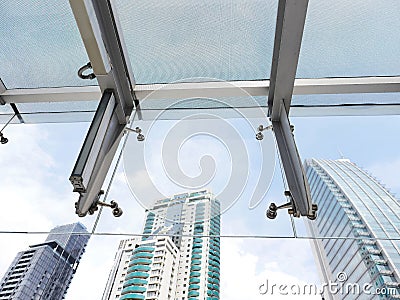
x=45, y=270
x=361, y=222
x=178, y=256
x=117, y=275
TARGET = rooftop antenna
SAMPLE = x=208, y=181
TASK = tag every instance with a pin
x=341, y=154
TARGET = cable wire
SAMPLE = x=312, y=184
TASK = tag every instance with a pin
x=286, y=187
x=112, y=176
x=245, y=236
x=8, y=122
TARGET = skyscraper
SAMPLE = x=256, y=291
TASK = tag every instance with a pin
x=354, y=206
x=45, y=270
x=178, y=256
x=117, y=275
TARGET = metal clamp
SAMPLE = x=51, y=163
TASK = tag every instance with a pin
x=271, y=212
x=82, y=69
x=137, y=130
x=116, y=210
x=261, y=128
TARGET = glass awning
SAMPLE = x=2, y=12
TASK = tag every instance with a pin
x=167, y=43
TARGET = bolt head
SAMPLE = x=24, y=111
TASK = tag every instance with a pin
x=259, y=136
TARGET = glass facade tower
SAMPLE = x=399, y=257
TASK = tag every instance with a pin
x=361, y=222
x=45, y=270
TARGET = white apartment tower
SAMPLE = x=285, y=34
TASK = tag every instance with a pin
x=179, y=255
x=118, y=271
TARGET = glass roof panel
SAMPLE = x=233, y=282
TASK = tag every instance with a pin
x=350, y=38
x=57, y=117
x=174, y=40
x=346, y=99
x=57, y=112
x=6, y=109
x=40, y=45
x=73, y=106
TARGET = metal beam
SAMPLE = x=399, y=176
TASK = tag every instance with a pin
x=294, y=172
x=96, y=154
x=345, y=110
x=62, y=94
x=103, y=41
x=98, y=27
x=216, y=90
x=351, y=85
x=2, y=90
x=288, y=35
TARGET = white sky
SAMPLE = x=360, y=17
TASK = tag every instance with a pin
x=37, y=195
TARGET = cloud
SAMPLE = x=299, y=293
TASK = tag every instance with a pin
x=243, y=273
x=35, y=182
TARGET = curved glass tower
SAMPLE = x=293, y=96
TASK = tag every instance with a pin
x=361, y=222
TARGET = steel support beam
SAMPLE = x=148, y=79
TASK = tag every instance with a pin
x=152, y=92
x=107, y=53
x=294, y=172
x=97, y=153
x=2, y=90
x=104, y=45
x=288, y=35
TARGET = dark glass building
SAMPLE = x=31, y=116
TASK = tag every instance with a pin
x=45, y=270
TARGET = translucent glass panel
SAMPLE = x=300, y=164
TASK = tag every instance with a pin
x=224, y=107
x=40, y=45
x=50, y=112
x=350, y=38
x=345, y=99
x=55, y=107
x=57, y=117
x=173, y=40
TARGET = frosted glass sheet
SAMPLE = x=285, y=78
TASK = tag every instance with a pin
x=74, y=106
x=350, y=38
x=60, y=117
x=174, y=40
x=40, y=45
x=346, y=99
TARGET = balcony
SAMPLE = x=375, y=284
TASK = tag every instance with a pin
x=196, y=262
x=138, y=268
x=144, y=249
x=195, y=274
x=137, y=275
x=196, y=256
x=195, y=268
x=194, y=287
x=135, y=281
x=194, y=280
x=133, y=289
x=141, y=261
x=142, y=255
x=193, y=294
x=132, y=296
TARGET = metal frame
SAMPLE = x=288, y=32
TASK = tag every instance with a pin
x=97, y=153
x=288, y=36
x=2, y=90
x=216, y=89
x=107, y=53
